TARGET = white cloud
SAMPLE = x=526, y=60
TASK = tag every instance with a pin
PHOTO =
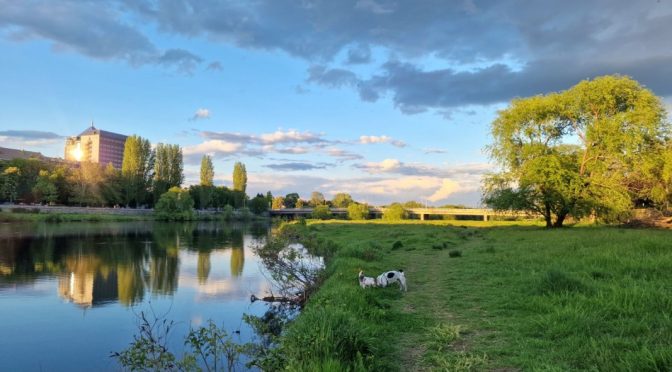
x=213, y=147
x=290, y=136
x=201, y=113
x=366, y=140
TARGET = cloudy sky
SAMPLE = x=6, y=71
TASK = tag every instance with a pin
x=384, y=99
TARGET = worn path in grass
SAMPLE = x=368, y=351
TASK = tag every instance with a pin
x=520, y=297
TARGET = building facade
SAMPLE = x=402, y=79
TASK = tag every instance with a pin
x=96, y=146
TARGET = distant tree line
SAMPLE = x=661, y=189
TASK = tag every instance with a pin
x=146, y=175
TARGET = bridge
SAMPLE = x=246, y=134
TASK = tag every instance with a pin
x=421, y=213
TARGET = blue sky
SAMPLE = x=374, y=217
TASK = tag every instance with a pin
x=386, y=100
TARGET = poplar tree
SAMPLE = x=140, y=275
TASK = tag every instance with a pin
x=207, y=171
x=136, y=169
x=239, y=177
x=168, y=168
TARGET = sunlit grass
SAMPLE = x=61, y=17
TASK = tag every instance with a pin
x=518, y=297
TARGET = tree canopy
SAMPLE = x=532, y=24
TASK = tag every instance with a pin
x=342, y=200
x=580, y=151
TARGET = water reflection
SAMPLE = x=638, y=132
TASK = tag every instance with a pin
x=98, y=265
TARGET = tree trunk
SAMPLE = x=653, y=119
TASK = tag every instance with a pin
x=547, y=216
x=560, y=219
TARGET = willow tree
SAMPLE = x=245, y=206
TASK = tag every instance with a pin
x=577, y=151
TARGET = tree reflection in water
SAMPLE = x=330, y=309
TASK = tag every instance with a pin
x=98, y=264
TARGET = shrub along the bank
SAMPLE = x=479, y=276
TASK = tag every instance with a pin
x=358, y=211
x=395, y=212
x=175, y=205
x=321, y=212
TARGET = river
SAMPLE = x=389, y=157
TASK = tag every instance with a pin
x=70, y=293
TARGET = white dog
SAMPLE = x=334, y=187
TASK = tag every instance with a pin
x=389, y=277
x=366, y=281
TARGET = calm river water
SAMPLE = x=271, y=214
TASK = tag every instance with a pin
x=70, y=293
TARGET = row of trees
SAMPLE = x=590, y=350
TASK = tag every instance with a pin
x=146, y=174
x=597, y=149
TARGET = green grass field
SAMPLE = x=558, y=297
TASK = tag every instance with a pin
x=489, y=296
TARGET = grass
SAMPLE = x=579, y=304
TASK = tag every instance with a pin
x=517, y=298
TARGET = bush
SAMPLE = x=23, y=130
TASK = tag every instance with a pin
x=358, y=211
x=258, y=204
x=455, y=253
x=395, y=212
x=175, y=205
x=398, y=244
x=321, y=212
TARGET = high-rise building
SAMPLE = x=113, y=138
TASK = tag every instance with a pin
x=96, y=146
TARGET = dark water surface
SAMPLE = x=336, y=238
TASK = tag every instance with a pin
x=70, y=293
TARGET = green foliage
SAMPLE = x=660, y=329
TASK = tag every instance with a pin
x=342, y=200
x=175, y=205
x=316, y=198
x=45, y=190
x=321, y=212
x=239, y=177
x=620, y=127
x=10, y=183
x=291, y=199
x=207, y=171
x=136, y=170
x=168, y=168
x=227, y=212
x=259, y=204
x=358, y=211
x=395, y=212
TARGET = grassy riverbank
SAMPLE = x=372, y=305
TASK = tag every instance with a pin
x=487, y=296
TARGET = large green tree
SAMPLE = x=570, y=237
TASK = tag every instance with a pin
x=207, y=171
x=239, y=177
x=10, y=184
x=136, y=170
x=45, y=190
x=578, y=151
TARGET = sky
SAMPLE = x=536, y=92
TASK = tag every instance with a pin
x=387, y=100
